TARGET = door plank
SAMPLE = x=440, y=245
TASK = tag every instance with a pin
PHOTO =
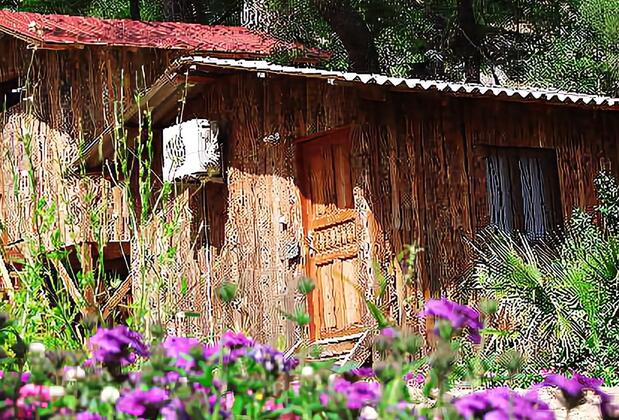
x=328, y=304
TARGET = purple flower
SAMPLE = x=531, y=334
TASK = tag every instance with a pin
x=459, y=316
x=234, y=340
x=179, y=348
x=146, y=403
x=271, y=359
x=502, y=403
x=362, y=372
x=417, y=379
x=174, y=411
x=118, y=345
x=358, y=394
x=389, y=332
x=362, y=393
x=573, y=390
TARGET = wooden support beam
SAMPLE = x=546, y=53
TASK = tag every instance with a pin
x=5, y=278
x=118, y=296
x=67, y=281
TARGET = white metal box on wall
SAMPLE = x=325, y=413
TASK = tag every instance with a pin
x=192, y=149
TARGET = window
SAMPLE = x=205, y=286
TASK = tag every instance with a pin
x=523, y=190
x=9, y=94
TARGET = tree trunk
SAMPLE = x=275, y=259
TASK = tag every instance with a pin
x=354, y=33
x=468, y=41
x=134, y=9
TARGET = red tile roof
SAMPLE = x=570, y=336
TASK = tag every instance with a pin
x=59, y=30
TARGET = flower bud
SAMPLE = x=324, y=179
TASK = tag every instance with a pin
x=109, y=395
x=73, y=373
x=56, y=392
x=307, y=372
x=36, y=349
x=368, y=413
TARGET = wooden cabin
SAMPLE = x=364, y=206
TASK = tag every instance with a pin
x=63, y=80
x=330, y=175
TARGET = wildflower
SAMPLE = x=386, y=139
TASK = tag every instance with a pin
x=460, y=317
x=179, y=348
x=39, y=392
x=362, y=372
x=272, y=405
x=388, y=332
x=174, y=411
x=118, y=345
x=73, y=373
x=30, y=398
x=324, y=399
x=502, y=403
x=109, y=395
x=573, y=390
x=56, y=392
x=357, y=394
x=272, y=360
x=417, y=379
x=234, y=340
x=36, y=349
x=368, y=413
x=307, y=372
x=142, y=403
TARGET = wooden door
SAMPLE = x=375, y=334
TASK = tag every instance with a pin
x=331, y=224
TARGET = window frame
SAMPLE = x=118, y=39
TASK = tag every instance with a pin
x=514, y=154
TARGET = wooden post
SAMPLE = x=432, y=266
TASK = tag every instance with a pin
x=87, y=262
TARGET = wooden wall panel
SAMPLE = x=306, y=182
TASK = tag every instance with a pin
x=418, y=177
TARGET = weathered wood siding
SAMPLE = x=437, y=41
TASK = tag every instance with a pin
x=417, y=178
x=72, y=97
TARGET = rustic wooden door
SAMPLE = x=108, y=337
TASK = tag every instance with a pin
x=331, y=224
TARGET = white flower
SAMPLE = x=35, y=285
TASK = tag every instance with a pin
x=37, y=349
x=368, y=413
x=109, y=394
x=307, y=371
x=56, y=392
x=73, y=373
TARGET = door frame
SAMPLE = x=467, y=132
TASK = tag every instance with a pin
x=327, y=137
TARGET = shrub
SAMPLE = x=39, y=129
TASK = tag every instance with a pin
x=181, y=378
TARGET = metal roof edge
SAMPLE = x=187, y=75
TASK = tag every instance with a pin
x=554, y=96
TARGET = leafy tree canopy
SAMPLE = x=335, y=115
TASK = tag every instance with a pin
x=565, y=44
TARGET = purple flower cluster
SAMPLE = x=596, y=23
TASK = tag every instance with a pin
x=272, y=360
x=118, y=345
x=573, y=390
x=142, y=403
x=178, y=348
x=502, y=404
x=461, y=317
x=358, y=394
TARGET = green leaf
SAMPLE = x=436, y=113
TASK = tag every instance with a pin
x=380, y=318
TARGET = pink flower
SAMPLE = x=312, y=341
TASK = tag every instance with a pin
x=271, y=405
x=32, y=396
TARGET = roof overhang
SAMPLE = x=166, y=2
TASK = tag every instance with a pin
x=180, y=79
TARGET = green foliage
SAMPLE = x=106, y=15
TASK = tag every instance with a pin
x=558, y=298
x=571, y=45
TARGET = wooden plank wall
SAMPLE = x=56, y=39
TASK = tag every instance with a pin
x=416, y=173
x=73, y=92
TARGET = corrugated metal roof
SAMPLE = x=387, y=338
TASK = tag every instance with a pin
x=58, y=30
x=463, y=89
